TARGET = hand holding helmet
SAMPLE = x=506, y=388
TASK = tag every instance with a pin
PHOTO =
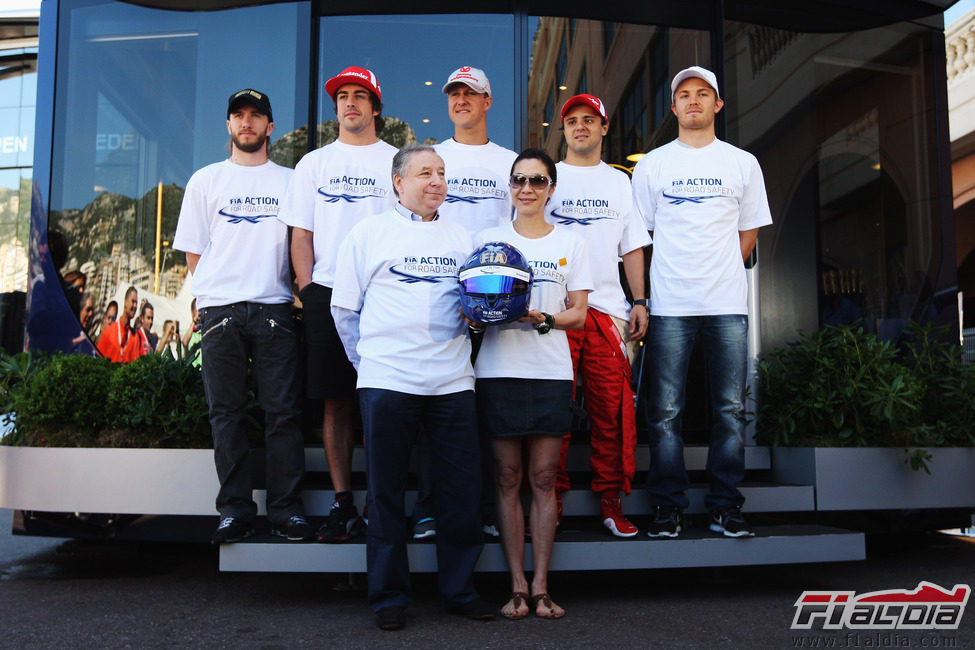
x=495, y=284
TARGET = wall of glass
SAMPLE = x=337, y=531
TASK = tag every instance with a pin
x=845, y=132
x=414, y=105
x=842, y=123
x=141, y=104
x=626, y=65
x=18, y=93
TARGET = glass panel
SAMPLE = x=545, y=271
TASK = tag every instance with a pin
x=141, y=105
x=842, y=126
x=14, y=209
x=18, y=89
x=631, y=93
x=16, y=136
x=414, y=106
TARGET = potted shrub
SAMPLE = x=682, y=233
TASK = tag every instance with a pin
x=92, y=436
x=870, y=424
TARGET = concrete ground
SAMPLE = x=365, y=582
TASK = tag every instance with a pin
x=67, y=594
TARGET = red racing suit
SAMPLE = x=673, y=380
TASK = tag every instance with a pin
x=606, y=373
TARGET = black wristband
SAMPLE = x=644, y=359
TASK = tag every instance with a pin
x=547, y=326
x=643, y=302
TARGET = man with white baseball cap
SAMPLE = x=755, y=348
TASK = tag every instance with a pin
x=334, y=188
x=703, y=201
x=595, y=200
x=477, y=169
x=477, y=198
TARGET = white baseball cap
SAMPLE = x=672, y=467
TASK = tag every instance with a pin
x=472, y=77
x=694, y=71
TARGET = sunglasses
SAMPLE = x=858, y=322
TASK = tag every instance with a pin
x=537, y=181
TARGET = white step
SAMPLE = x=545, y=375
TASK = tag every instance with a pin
x=574, y=550
x=695, y=458
x=758, y=498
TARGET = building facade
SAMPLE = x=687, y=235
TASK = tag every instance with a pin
x=960, y=71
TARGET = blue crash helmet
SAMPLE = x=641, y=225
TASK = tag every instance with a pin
x=495, y=284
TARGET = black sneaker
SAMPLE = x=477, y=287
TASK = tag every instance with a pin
x=425, y=528
x=729, y=522
x=343, y=523
x=231, y=529
x=296, y=529
x=666, y=523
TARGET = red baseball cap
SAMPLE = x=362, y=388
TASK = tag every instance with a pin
x=354, y=75
x=591, y=101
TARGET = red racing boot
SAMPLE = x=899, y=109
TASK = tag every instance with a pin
x=612, y=513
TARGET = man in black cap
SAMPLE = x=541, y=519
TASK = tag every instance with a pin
x=237, y=251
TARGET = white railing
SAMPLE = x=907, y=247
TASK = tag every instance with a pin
x=960, y=47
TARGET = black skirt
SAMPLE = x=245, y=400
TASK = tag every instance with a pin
x=509, y=407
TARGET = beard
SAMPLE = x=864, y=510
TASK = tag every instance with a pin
x=257, y=145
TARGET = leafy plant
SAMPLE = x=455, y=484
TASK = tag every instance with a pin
x=63, y=403
x=157, y=401
x=948, y=407
x=843, y=387
x=15, y=373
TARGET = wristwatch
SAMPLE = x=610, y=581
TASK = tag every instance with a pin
x=642, y=302
x=547, y=326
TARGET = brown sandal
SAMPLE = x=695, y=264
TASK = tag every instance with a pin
x=518, y=598
x=546, y=601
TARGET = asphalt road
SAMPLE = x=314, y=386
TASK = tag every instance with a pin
x=66, y=594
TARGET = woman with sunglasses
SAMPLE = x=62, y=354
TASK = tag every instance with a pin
x=524, y=379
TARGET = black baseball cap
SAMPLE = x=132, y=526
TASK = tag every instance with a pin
x=250, y=96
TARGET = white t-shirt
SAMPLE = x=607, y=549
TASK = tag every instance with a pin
x=696, y=200
x=333, y=188
x=477, y=184
x=596, y=202
x=401, y=276
x=228, y=218
x=560, y=264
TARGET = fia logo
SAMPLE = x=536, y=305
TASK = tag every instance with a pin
x=493, y=255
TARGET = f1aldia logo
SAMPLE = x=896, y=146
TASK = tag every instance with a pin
x=928, y=607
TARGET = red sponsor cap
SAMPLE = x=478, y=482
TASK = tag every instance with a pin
x=591, y=101
x=353, y=75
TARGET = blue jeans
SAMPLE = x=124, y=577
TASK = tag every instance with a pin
x=264, y=334
x=390, y=422
x=670, y=340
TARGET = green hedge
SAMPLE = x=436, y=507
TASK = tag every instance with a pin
x=73, y=400
x=843, y=387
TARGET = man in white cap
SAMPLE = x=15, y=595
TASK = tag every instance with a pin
x=237, y=252
x=595, y=200
x=477, y=169
x=477, y=198
x=703, y=201
x=335, y=187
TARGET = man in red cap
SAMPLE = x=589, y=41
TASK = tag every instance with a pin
x=595, y=200
x=334, y=187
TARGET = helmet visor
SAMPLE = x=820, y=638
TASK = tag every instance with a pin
x=494, y=280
